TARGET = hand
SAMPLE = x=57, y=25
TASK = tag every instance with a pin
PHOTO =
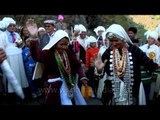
x=32, y=27
x=2, y=55
x=99, y=64
x=84, y=82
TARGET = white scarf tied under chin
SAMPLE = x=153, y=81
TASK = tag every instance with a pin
x=119, y=30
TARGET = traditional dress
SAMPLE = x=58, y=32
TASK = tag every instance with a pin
x=61, y=85
x=123, y=86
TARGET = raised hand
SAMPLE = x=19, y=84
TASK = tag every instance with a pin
x=32, y=27
x=99, y=64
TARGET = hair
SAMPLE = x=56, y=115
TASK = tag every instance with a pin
x=158, y=39
x=133, y=29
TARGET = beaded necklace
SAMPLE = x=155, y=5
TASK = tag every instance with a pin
x=122, y=82
x=120, y=62
x=65, y=72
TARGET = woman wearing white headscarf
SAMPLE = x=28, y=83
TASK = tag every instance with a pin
x=121, y=62
x=61, y=67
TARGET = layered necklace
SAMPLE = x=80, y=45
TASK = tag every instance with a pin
x=121, y=69
x=65, y=71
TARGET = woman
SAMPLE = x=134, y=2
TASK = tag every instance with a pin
x=61, y=67
x=121, y=62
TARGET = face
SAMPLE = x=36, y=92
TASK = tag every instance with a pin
x=83, y=35
x=151, y=40
x=117, y=43
x=62, y=45
x=25, y=31
x=100, y=33
x=131, y=34
x=11, y=27
x=49, y=28
x=93, y=44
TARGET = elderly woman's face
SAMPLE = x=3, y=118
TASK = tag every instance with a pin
x=62, y=45
x=117, y=43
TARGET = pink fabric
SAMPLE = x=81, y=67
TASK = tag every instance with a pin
x=60, y=17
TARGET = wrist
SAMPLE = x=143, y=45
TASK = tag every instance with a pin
x=34, y=36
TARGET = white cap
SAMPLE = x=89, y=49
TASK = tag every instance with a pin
x=49, y=22
x=153, y=34
x=82, y=28
x=2, y=25
x=8, y=20
x=99, y=28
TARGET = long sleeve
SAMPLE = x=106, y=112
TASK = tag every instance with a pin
x=87, y=59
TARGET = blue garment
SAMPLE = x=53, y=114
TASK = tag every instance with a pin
x=29, y=65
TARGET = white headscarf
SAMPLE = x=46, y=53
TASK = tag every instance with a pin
x=82, y=28
x=76, y=28
x=119, y=30
x=8, y=20
x=99, y=28
x=91, y=39
x=153, y=34
x=59, y=34
x=2, y=25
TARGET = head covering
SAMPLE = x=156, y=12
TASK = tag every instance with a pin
x=91, y=39
x=60, y=17
x=59, y=34
x=99, y=28
x=2, y=25
x=41, y=28
x=49, y=22
x=118, y=30
x=8, y=20
x=82, y=28
x=153, y=34
x=147, y=32
x=76, y=28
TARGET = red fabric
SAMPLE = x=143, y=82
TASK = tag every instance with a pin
x=13, y=38
x=50, y=76
x=52, y=93
x=90, y=56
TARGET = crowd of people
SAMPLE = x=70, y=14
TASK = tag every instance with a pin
x=50, y=64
